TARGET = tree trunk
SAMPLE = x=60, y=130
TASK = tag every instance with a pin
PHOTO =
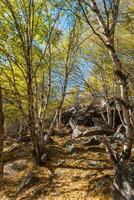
x=57, y=118
x=29, y=73
x=123, y=184
x=31, y=120
x=123, y=188
x=1, y=137
x=124, y=101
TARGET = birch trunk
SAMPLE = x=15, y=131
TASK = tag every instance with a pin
x=29, y=73
x=1, y=137
x=31, y=119
x=124, y=101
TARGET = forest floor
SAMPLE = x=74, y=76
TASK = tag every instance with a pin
x=85, y=175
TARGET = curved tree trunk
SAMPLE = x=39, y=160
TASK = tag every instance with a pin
x=123, y=184
x=124, y=101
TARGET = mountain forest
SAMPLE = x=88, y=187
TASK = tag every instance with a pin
x=66, y=99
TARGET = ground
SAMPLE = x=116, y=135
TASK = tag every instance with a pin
x=86, y=174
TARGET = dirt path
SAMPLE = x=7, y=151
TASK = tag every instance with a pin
x=81, y=175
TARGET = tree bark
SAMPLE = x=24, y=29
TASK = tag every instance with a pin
x=29, y=72
x=123, y=188
x=124, y=101
x=123, y=184
x=121, y=77
x=1, y=137
x=31, y=119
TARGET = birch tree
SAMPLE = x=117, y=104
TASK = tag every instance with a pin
x=102, y=19
x=1, y=136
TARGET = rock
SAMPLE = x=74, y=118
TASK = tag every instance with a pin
x=60, y=162
x=7, y=142
x=123, y=185
x=98, y=131
x=9, y=171
x=71, y=149
x=12, y=169
x=79, y=131
x=24, y=138
x=67, y=114
x=120, y=134
x=76, y=133
x=83, y=115
x=85, y=119
x=67, y=143
x=120, y=129
x=44, y=158
x=81, y=160
x=114, y=146
x=76, y=178
x=14, y=147
x=46, y=138
x=98, y=121
x=61, y=133
x=101, y=185
x=111, y=139
x=28, y=181
x=92, y=141
x=94, y=163
x=20, y=165
x=90, y=115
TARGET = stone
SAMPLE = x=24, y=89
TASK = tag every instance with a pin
x=12, y=169
x=92, y=141
x=44, y=158
x=14, y=147
x=94, y=163
x=123, y=186
x=28, y=181
x=76, y=133
x=60, y=162
x=20, y=165
x=71, y=149
x=24, y=138
x=76, y=178
x=97, y=130
x=46, y=138
x=98, y=121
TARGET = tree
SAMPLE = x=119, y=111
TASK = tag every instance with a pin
x=23, y=58
x=25, y=37
x=68, y=63
x=107, y=27
x=1, y=137
x=102, y=18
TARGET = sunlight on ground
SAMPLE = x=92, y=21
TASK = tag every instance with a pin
x=86, y=175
